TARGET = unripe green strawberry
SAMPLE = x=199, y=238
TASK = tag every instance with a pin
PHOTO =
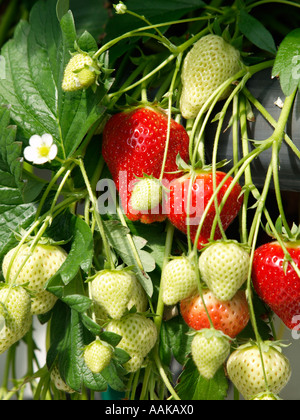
x=210, y=349
x=59, y=382
x=178, y=281
x=139, y=335
x=138, y=299
x=15, y=315
x=146, y=195
x=245, y=369
x=42, y=302
x=224, y=267
x=79, y=73
x=41, y=265
x=97, y=356
x=113, y=290
x=209, y=64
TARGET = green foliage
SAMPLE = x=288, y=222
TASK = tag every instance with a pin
x=59, y=204
x=287, y=63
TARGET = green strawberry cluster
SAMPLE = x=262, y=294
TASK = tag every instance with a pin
x=23, y=294
x=120, y=304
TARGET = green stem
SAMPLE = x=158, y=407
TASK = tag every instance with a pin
x=147, y=375
x=53, y=181
x=244, y=162
x=130, y=239
x=96, y=214
x=167, y=254
x=161, y=37
x=262, y=2
x=248, y=177
x=270, y=120
x=164, y=376
x=144, y=79
x=170, y=101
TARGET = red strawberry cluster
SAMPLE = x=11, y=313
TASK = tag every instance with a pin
x=134, y=145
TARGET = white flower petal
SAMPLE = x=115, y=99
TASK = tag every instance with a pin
x=28, y=153
x=41, y=149
x=40, y=160
x=53, y=152
x=47, y=140
x=35, y=141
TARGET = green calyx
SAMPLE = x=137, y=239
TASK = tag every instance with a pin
x=199, y=166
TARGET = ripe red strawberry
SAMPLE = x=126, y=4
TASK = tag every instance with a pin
x=133, y=145
x=230, y=317
x=276, y=281
x=202, y=192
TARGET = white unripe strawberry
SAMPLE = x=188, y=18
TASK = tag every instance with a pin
x=79, y=73
x=224, y=267
x=41, y=265
x=58, y=382
x=97, y=356
x=178, y=281
x=15, y=315
x=210, y=63
x=245, y=369
x=116, y=291
x=139, y=335
x=146, y=194
x=210, y=349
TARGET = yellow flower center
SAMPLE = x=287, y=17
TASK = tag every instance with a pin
x=44, y=151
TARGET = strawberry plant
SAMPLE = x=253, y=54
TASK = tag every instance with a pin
x=156, y=269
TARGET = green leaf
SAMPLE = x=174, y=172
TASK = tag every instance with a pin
x=192, y=386
x=175, y=339
x=256, y=32
x=287, y=63
x=121, y=355
x=80, y=254
x=155, y=237
x=117, y=236
x=92, y=18
x=111, y=338
x=68, y=338
x=11, y=220
x=90, y=325
x=155, y=11
x=11, y=185
x=77, y=302
x=115, y=375
x=35, y=61
x=62, y=8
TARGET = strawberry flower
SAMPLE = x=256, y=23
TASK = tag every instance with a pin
x=41, y=149
x=120, y=8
